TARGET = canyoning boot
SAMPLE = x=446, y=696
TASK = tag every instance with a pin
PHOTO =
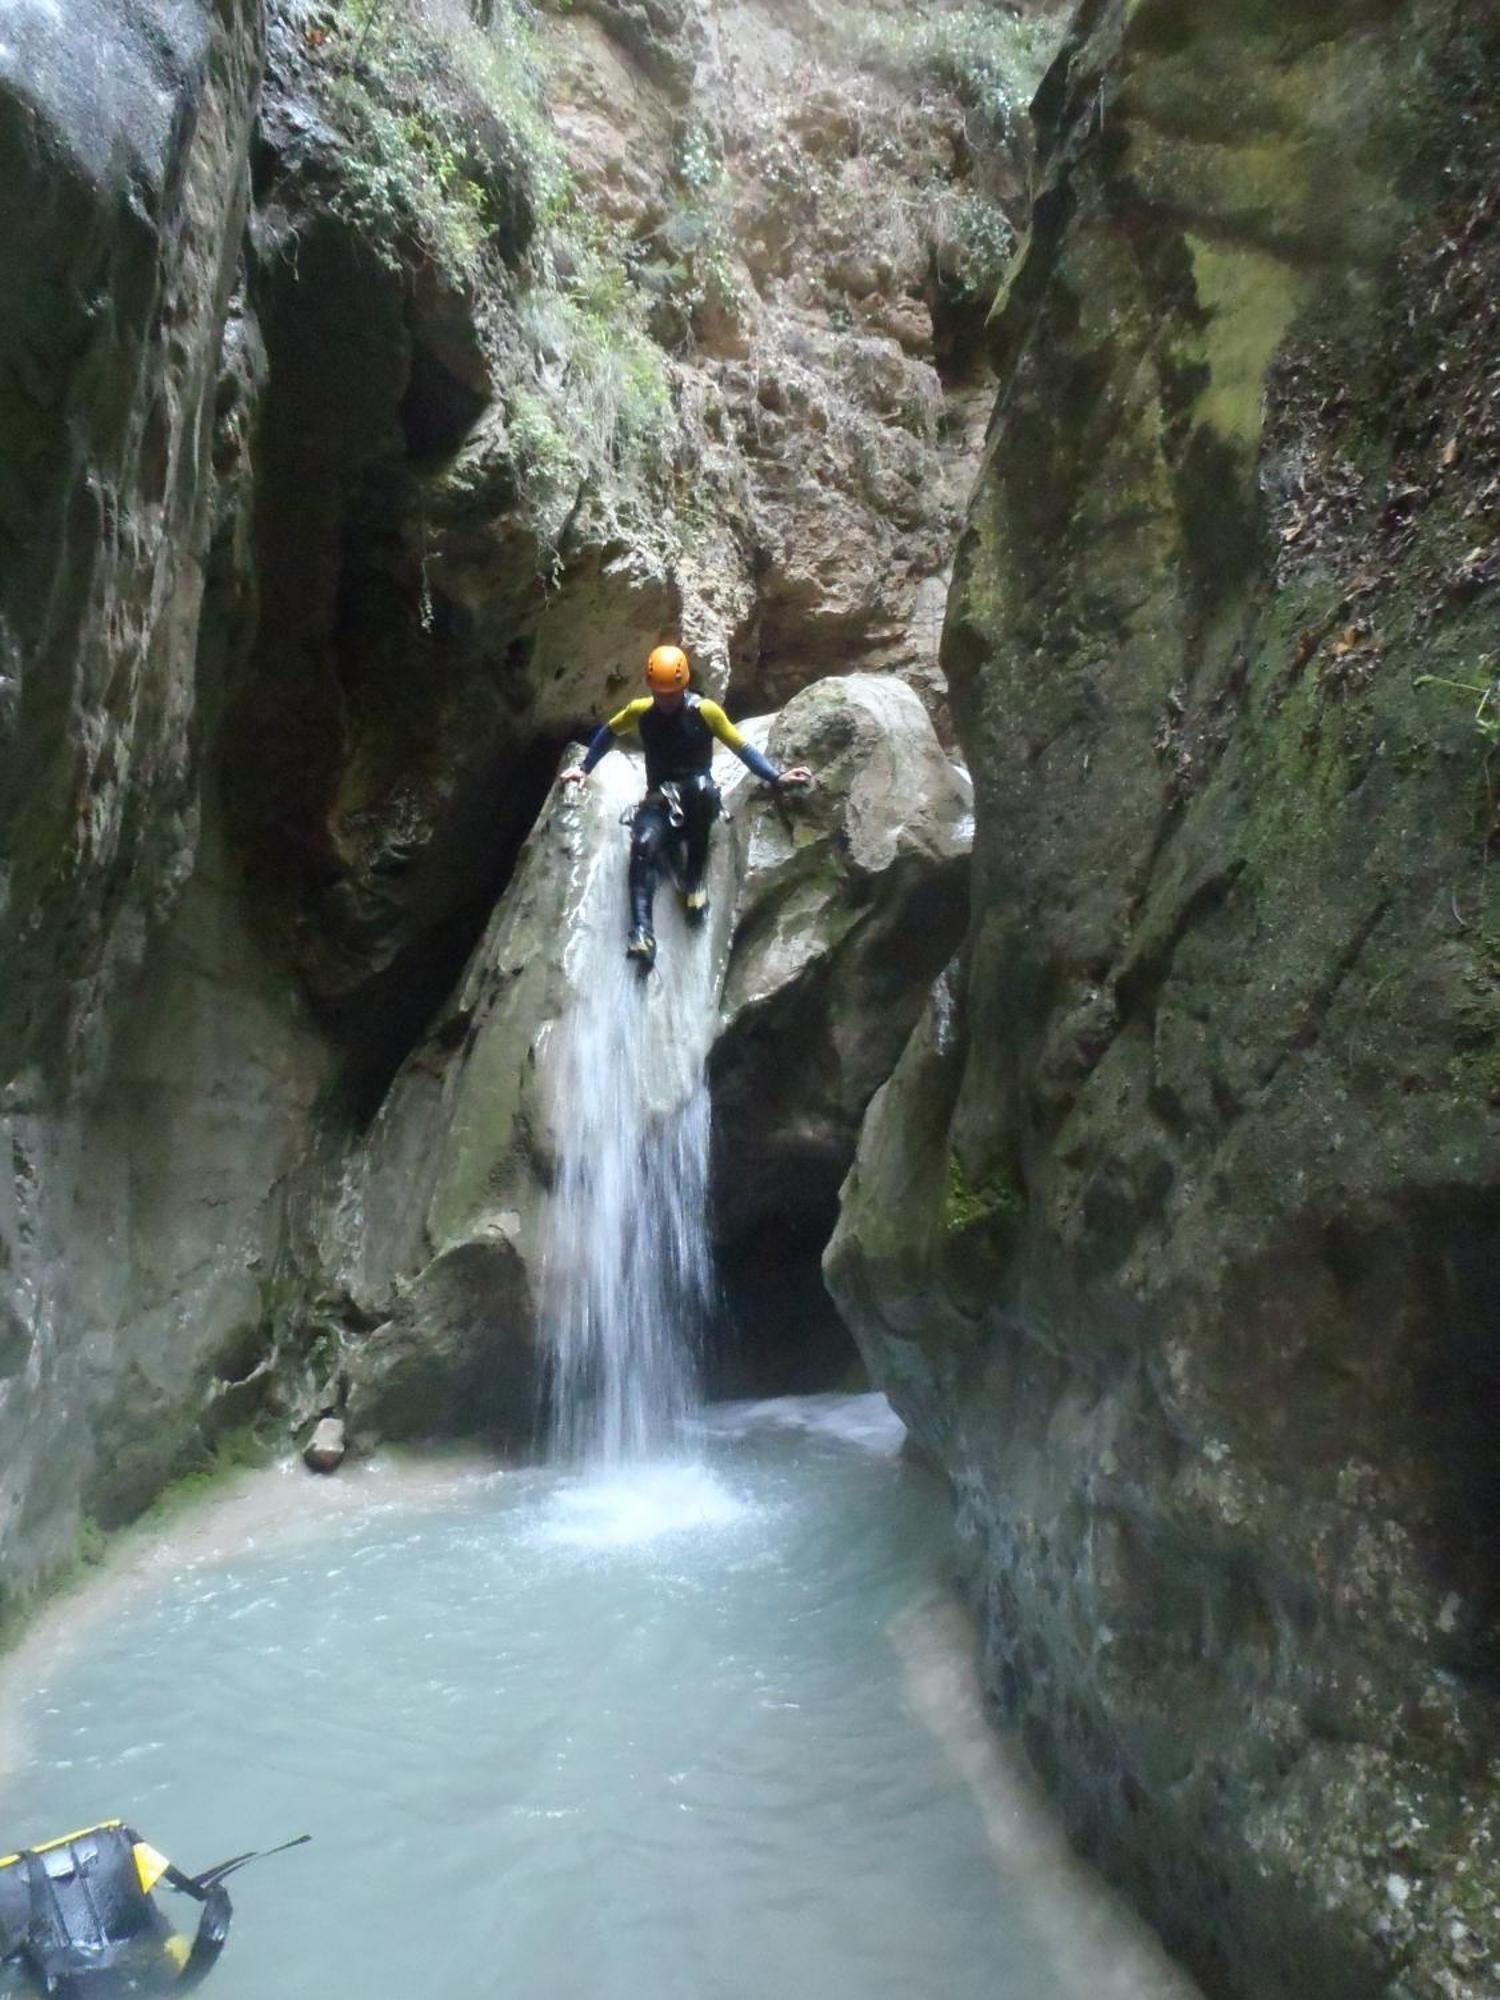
x=695, y=903
x=641, y=946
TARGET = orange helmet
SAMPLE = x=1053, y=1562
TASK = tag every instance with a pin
x=667, y=670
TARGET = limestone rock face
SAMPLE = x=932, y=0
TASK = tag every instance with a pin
x=799, y=259
x=113, y=226
x=375, y=389
x=437, y=1243
x=485, y=484
x=853, y=897
x=150, y=1063
x=1176, y=1234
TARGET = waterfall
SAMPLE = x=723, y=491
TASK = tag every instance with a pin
x=629, y=1277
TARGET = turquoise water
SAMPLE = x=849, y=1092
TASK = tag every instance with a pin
x=562, y=1741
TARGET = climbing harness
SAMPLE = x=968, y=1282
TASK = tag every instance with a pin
x=668, y=795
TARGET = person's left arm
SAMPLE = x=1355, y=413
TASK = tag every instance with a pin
x=753, y=759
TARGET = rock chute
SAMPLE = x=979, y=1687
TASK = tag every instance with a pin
x=442, y=1232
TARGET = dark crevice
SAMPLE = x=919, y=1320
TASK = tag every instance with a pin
x=438, y=410
x=778, y=1333
x=1139, y=985
x=1320, y=1002
x=390, y=1015
x=960, y=340
x=1457, y=1403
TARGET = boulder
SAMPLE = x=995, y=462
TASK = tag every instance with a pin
x=439, y=1237
x=325, y=1450
x=851, y=899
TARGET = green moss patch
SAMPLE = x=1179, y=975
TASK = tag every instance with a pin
x=995, y=1200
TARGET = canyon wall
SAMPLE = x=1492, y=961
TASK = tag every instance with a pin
x=1176, y=1235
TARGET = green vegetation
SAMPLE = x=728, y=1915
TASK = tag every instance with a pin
x=692, y=273
x=19, y=1606
x=214, y=1465
x=93, y=1543
x=406, y=176
x=699, y=165
x=1487, y=709
x=990, y=59
x=967, y=1204
x=447, y=134
x=453, y=161
x=991, y=62
x=210, y=1464
x=1475, y=1073
x=594, y=411
x=977, y=247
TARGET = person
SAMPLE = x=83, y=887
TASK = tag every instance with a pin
x=678, y=730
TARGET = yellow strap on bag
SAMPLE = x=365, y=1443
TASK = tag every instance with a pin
x=149, y=1865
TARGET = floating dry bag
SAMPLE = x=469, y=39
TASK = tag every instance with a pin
x=78, y=1917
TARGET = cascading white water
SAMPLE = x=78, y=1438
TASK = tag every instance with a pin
x=629, y=1264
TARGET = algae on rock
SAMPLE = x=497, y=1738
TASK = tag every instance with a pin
x=1215, y=1374
x=154, y=1071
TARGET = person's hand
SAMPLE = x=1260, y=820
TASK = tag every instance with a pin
x=800, y=774
x=577, y=776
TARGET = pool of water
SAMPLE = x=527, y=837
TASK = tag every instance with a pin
x=672, y=1734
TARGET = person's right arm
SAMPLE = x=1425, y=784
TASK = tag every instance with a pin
x=604, y=737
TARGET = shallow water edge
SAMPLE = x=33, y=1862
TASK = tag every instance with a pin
x=728, y=1700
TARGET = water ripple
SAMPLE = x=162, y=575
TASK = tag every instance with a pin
x=671, y=1734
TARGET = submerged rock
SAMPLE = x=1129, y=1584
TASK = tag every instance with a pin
x=1175, y=1235
x=850, y=900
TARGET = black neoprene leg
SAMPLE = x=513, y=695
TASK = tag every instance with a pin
x=647, y=846
x=700, y=808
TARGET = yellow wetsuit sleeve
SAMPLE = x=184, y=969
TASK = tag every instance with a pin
x=629, y=717
x=731, y=738
x=722, y=727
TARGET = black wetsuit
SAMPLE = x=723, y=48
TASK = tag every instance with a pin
x=682, y=800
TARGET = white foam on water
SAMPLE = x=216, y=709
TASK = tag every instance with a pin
x=630, y=1508
x=866, y=1421
x=629, y=1737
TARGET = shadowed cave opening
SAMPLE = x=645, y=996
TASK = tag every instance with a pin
x=777, y=1332
x=381, y=1024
